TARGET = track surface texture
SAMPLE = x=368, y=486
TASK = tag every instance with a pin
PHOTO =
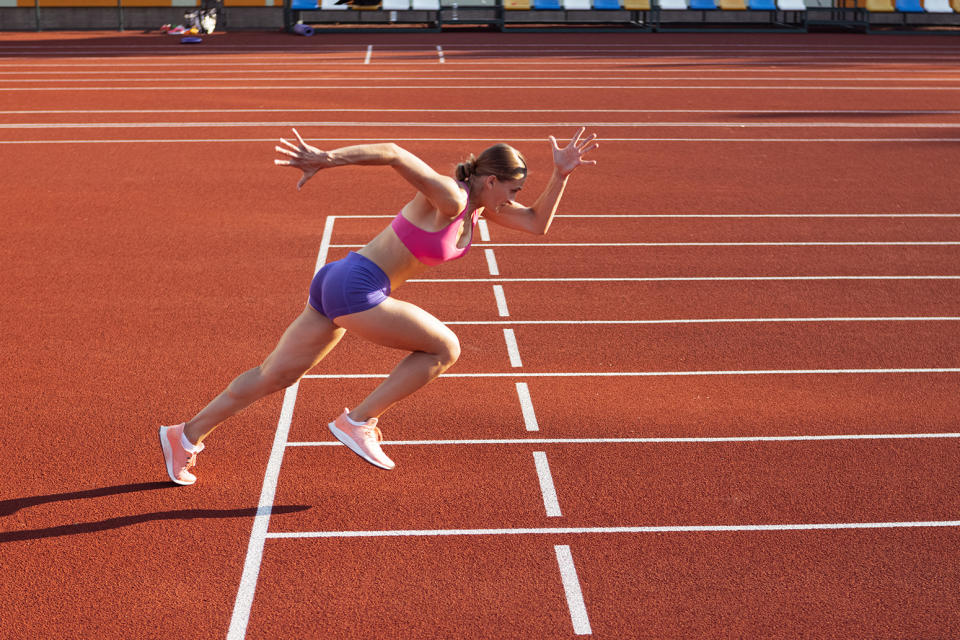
x=717, y=400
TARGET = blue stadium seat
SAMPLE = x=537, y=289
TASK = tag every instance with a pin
x=909, y=6
x=606, y=5
x=304, y=5
x=547, y=4
x=703, y=5
x=762, y=5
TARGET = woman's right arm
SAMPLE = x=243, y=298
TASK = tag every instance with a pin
x=442, y=191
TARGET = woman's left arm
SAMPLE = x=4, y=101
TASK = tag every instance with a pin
x=537, y=218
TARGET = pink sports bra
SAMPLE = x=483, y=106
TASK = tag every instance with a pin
x=433, y=247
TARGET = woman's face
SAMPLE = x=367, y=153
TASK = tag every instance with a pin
x=497, y=193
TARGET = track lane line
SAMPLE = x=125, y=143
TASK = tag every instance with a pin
x=547, y=489
x=648, y=374
x=818, y=526
x=259, y=533
x=650, y=440
x=571, y=587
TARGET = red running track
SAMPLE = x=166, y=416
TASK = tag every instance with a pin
x=737, y=345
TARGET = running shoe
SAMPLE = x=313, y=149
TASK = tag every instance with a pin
x=363, y=440
x=178, y=460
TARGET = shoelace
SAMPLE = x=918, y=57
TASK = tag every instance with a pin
x=373, y=432
x=191, y=461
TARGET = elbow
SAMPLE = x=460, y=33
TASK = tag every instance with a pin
x=394, y=152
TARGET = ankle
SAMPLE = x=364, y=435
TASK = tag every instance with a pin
x=188, y=438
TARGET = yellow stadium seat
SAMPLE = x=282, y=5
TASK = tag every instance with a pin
x=956, y=5
x=733, y=5
x=516, y=5
x=641, y=5
x=880, y=6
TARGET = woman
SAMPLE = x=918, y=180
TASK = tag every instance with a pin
x=353, y=294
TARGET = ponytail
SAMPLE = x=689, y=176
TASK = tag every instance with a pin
x=467, y=169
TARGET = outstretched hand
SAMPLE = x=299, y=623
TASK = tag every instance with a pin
x=571, y=156
x=304, y=157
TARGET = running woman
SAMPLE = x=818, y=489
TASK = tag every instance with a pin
x=353, y=294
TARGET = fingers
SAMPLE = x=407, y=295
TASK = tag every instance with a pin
x=302, y=143
x=585, y=150
x=586, y=141
x=576, y=137
x=289, y=144
x=288, y=152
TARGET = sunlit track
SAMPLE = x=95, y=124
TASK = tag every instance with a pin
x=730, y=368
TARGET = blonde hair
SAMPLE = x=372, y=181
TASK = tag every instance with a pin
x=500, y=160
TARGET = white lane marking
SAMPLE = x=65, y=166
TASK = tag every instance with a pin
x=233, y=124
x=485, y=230
x=182, y=141
x=501, y=300
x=550, y=503
x=824, y=526
x=499, y=87
x=704, y=320
x=440, y=54
x=657, y=440
x=646, y=374
x=258, y=535
x=752, y=216
x=492, y=266
x=366, y=59
x=526, y=407
x=261, y=523
x=510, y=111
x=512, y=350
x=571, y=587
x=892, y=243
x=687, y=279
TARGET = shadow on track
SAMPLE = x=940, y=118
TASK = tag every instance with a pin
x=9, y=507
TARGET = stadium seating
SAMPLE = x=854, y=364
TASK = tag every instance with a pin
x=396, y=5
x=303, y=5
x=909, y=6
x=880, y=6
x=516, y=5
x=762, y=5
x=636, y=5
x=702, y=5
x=606, y=5
x=679, y=5
x=791, y=5
x=937, y=6
x=547, y=5
x=583, y=5
x=733, y=5
x=426, y=5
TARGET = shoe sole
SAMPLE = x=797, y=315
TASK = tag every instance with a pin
x=353, y=446
x=168, y=456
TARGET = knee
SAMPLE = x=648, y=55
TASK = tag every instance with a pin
x=275, y=379
x=449, y=349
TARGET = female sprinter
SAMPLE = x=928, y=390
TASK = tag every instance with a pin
x=353, y=294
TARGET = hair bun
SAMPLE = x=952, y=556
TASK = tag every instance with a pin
x=466, y=169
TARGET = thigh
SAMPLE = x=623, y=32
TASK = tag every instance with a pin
x=400, y=325
x=305, y=342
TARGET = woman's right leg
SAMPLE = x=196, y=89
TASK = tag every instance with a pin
x=401, y=325
x=305, y=342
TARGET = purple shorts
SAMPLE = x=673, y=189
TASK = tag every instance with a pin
x=349, y=285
